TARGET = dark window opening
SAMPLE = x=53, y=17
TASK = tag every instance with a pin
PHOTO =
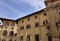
x=58, y=25
x=15, y=40
x=12, y=28
x=35, y=17
x=15, y=34
x=13, y=24
x=28, y=19
x=11, y=33
x=22, y=28
x=36, y=24
x=22, y=21
x=10, y=40
x=28, y=26
x=6, y=24
x=37, y=37
x=59, y=13
x=48, y=27
x=5, y=32
x=45, y=22
x=3, y=40
x=49, y=38
x=21, y=38
x=45, y=14
x=28, y=37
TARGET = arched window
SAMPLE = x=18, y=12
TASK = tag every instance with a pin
x=6, y=24
x=13, y=24
x=11, y=33
x=5, y=32
x=28, y=26
x=3, y=40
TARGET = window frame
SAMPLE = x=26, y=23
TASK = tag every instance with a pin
x=36, y=24
x=28, y=26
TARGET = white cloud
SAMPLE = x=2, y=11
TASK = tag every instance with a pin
x=36, y=4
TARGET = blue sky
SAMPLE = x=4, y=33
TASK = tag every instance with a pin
x=14, y=9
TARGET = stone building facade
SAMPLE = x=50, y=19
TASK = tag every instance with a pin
x=43, y=25
x=8, y=30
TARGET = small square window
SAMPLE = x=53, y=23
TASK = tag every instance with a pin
x=45, y=14
x=28, y=19
x=36, y=24
x=22, y=21
x=12, y=28
x=35, y=17
x=15, y=34
x=48, y=27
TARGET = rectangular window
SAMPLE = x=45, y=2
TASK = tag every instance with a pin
x=37, y=37
x=49, y=38
x=21, y=38
x=59, y=13
x=45, y=14
x=35, y=17
x=48, y=27
x=28, y=37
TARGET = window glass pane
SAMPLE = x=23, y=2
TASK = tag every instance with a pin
x=6, y=24
x=11, y=33
x=21, y=38
x=45, y=14
x=10, y=40
x=12, y=24
x=15, y=34
x=37, y=37
x=28, y=37
x=22, y=21
x=35, y=17
x=3, y=40
x=22, y=28
x=36, y=24
x=45, y=22
x=49, y=38
x=5, y=32
x=28, y=26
